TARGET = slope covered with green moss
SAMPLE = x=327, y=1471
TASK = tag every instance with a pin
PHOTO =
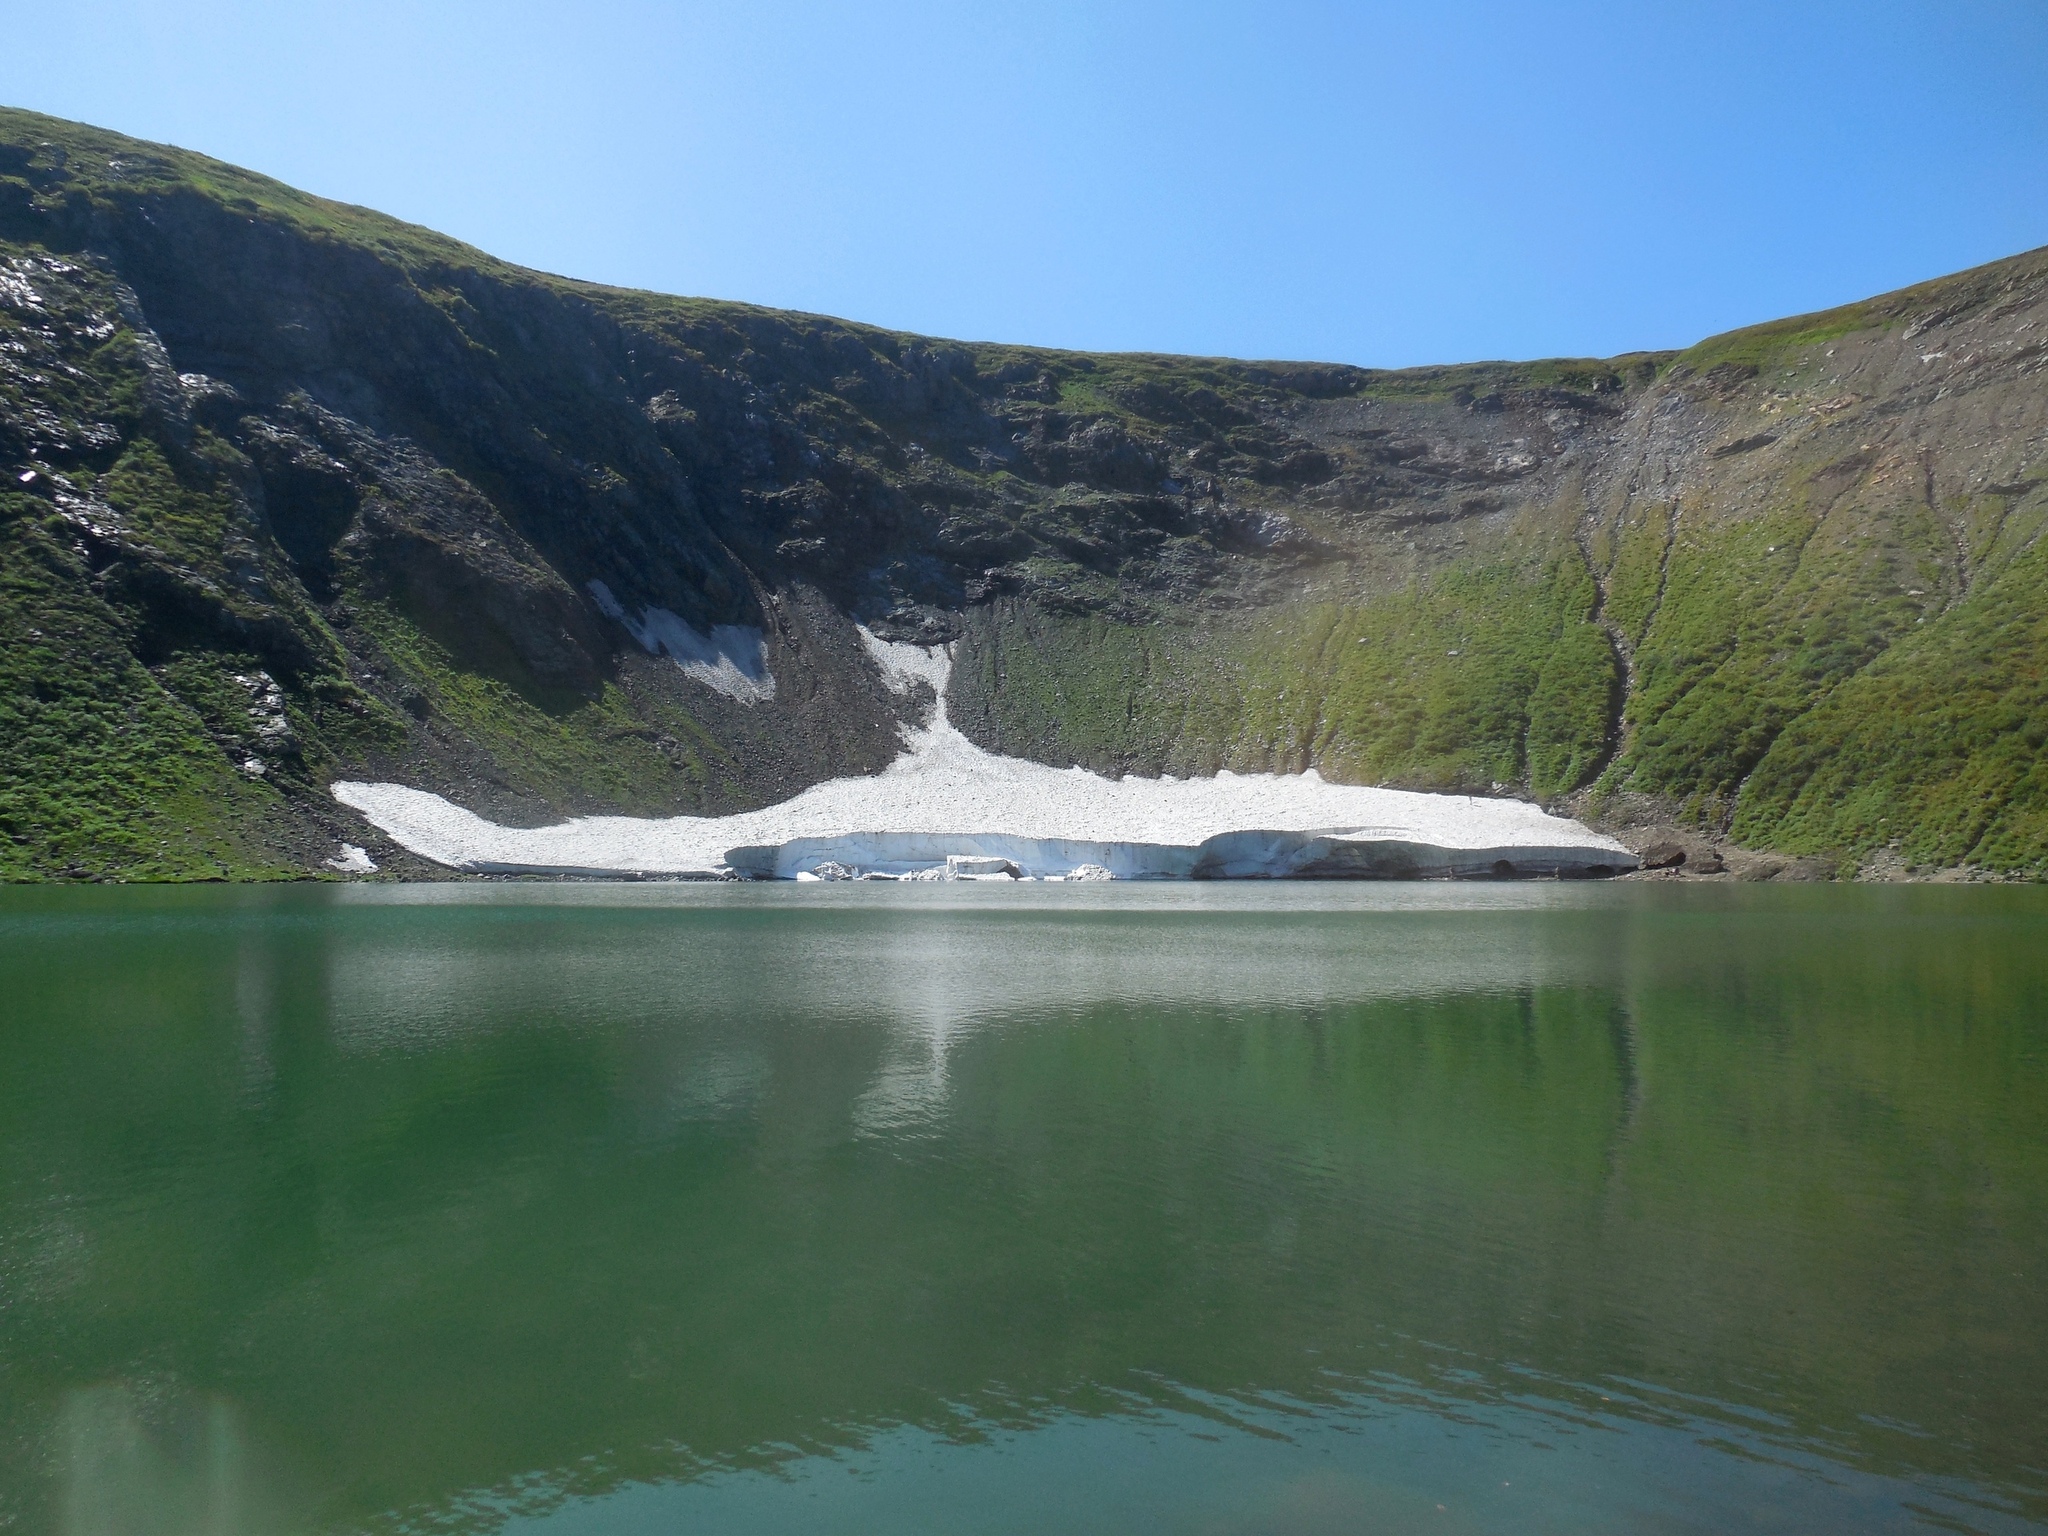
x=290, y=491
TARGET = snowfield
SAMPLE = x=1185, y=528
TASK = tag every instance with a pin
x=948, y=809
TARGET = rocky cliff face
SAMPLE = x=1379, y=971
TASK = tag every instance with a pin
x=292, y=491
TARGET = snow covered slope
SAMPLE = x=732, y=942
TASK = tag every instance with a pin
x=945, y=797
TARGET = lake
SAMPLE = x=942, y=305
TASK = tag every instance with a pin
x=573, y=1210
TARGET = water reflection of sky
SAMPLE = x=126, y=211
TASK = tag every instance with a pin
x=1390, y=1455
x=1392, y=1458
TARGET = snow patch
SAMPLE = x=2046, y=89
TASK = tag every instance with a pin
x=352, y=861
x=948, y=809
x=904, y=666
x=732, y=659
x=15, y=291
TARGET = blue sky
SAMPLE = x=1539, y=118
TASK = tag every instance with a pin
x=1372, y=183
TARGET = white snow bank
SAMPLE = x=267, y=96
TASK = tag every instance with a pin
x=733, y=658
x=946, y=799
x=905, y=666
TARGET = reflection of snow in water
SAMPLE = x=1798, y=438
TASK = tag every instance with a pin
x=256, y=1011
x=183, y=1468
x=706, y=976
x=933, y=989
x=938, y=959
x=908, y=1095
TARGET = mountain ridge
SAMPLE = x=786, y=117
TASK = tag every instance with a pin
x=314, y=489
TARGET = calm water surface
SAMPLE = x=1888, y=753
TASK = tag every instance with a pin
x=609, y=1209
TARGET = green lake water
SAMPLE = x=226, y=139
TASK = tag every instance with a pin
x=584, y=1210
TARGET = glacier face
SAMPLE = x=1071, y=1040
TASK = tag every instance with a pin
x=947, y=799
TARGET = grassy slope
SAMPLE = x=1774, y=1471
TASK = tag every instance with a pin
x=106, y=765
x=1487, y=677
x=1856, y=663
x=605, y=746
x=1937, y=746
x=1818, y=669
x=1787, y=687
x=102, y=768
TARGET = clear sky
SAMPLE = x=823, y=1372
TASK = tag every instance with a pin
x=1371, y=182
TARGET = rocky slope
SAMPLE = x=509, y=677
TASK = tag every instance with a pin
x=290, y=491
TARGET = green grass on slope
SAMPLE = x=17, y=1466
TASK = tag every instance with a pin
x=1757, y=620
x=1633, y=556
x=1937, y=748
x=99, y=162
x=181, y=515
x=1486, y=676
x=124, y=700
x=624, y=755
x=102, y=772
x=1756, y=347
x=1798, y=682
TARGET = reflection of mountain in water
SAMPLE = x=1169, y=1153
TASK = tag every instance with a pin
x=577, y=1186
